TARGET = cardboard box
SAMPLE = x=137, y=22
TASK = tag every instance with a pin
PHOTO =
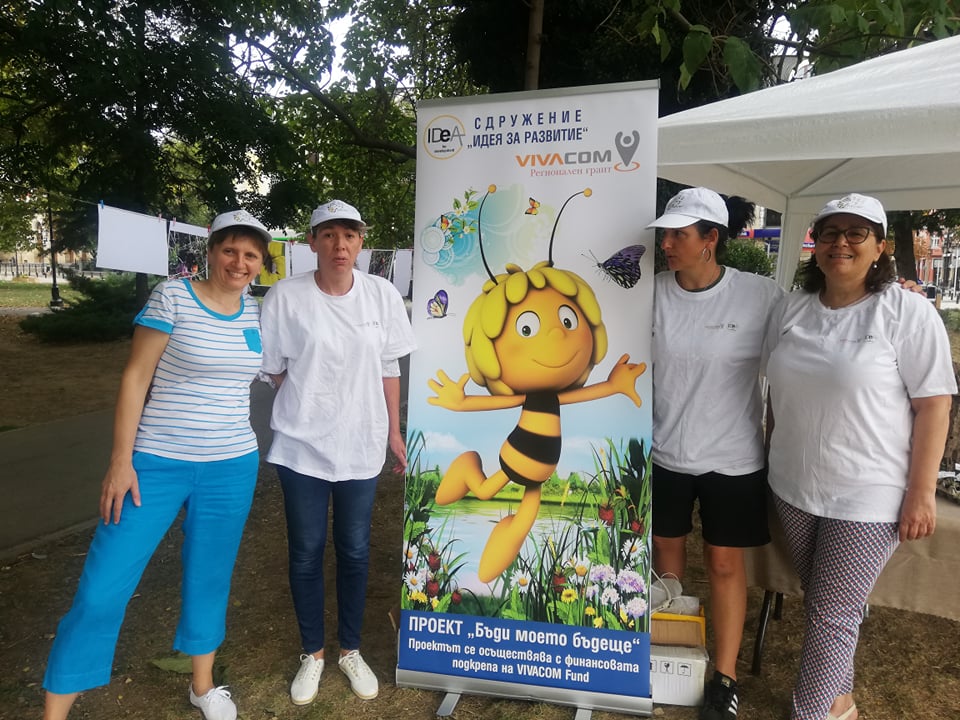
x=677, y=674
x=678, y=630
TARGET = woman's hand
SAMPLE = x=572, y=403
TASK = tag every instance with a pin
x=120, y=479
x=399, y=448
x=918, y=515
x=912, y=286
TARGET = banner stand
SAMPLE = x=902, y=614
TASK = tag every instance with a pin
x=527, y=526
x=448, y=705
x=584, y=701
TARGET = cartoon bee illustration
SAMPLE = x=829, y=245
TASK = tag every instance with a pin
x=531, y=338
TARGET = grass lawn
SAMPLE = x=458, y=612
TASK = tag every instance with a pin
x=23, y=294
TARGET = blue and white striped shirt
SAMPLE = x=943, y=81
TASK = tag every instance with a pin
x=198, y=408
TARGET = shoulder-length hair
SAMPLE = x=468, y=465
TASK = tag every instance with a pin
x=880, y=274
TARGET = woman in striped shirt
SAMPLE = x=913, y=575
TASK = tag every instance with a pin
x=182, y=439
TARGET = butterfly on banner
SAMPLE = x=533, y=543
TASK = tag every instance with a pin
x=623, y=267
x=437, y=305
x=534, y=207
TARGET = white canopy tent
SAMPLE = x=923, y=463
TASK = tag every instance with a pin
x=887, y=127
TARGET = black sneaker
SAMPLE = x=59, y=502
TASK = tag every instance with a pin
x=720, y=699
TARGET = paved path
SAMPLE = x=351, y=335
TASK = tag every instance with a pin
x=51, y=473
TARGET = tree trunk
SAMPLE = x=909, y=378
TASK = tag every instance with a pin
x=901, y=223
x=531, y=80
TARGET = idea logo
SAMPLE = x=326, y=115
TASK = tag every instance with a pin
x=443, y=137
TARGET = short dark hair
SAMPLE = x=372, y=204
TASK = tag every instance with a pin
x=242, y=231
x=355, y=225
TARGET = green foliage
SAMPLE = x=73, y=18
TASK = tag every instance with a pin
x=165, y=107
x=16, y=213
x=696, y=46
x=139, y=105
x=356, y=135
x=700, y=51
x=603, y=41
x=104, y=313
x=749, y=256
x=554, y=486
x=951, y=319
x=745, y=68
x=383, y=189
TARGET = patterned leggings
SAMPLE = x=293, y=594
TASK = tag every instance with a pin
x=838, y=562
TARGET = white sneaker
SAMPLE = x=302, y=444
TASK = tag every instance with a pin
x=306, y=685
x=362, y=680
x=215, y=704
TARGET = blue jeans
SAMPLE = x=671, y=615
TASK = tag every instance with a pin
x=306, y=500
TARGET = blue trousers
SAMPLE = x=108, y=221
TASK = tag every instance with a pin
x=217, y=497
x=306, y=502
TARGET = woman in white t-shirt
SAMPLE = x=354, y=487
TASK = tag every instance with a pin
x=708, y=328
x=181, y=440
x=860, y=382
x=333, y=339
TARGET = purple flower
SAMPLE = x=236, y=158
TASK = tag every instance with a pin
x=636, y=608
x=610, y=596
x=602, y=574
x=630, y=581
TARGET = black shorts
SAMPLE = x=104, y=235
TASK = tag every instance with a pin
x=733, y=508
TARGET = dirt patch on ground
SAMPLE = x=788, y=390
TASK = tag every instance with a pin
x=44, y=382
x=908, y=665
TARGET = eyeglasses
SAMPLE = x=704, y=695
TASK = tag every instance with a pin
x=854, y=235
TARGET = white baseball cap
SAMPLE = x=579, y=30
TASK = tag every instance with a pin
x=865, y=206
x=334, y=210
x=243, y=219
x=691, y=206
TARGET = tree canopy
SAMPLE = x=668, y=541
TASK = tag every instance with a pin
x=190, y=107
x=700, y=50
x=137, y=104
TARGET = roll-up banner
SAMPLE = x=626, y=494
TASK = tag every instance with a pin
x=526, y=559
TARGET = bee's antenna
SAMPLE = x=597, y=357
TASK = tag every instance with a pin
x=490, y=190
x=586, y=193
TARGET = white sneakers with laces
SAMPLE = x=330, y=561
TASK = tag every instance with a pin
x=362, y=680
x=215, y=704
x=306, y=685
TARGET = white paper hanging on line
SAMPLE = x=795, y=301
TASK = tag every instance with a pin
x=131, y=241
x=302, y=258
x=403, y=271
x=363, y=260
x=188, y=229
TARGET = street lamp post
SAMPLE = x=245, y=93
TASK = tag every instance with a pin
x=56, y=302
x=956, y=262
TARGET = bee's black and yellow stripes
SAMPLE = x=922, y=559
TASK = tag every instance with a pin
x=531, y=452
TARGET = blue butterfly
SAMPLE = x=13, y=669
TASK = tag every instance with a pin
x=623, y=267
x=437, y=305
